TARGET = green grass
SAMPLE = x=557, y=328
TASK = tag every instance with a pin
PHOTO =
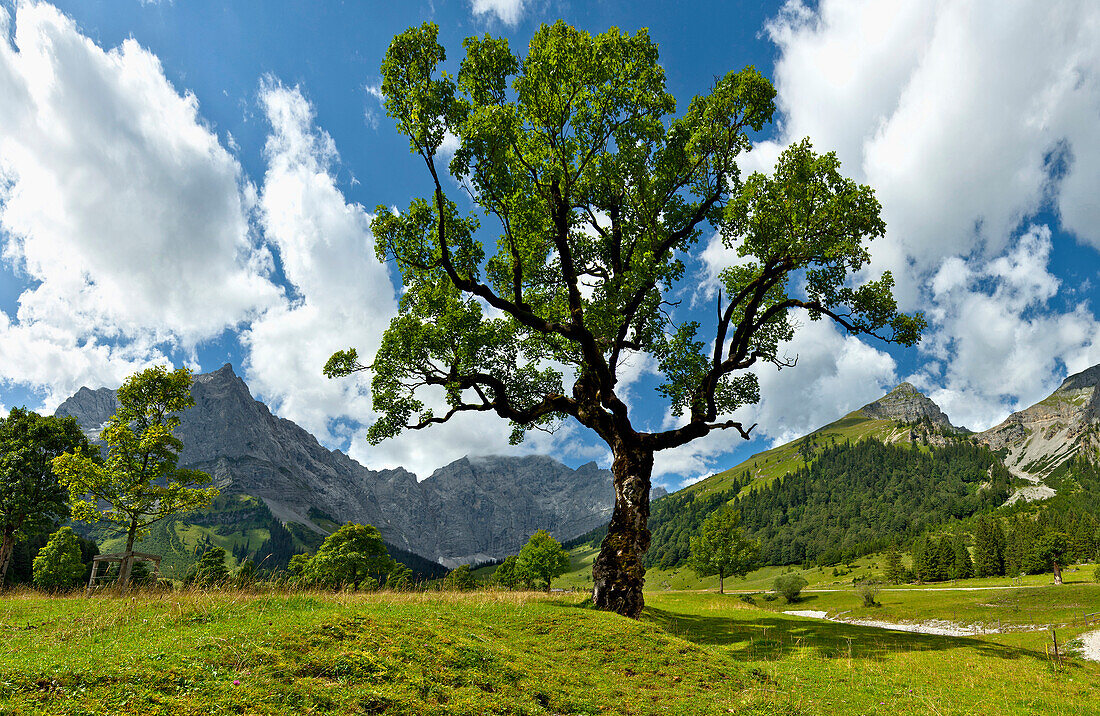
x=827, y=667
x=352, y=654
x=506, y=653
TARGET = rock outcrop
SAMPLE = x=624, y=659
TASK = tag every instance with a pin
x=471, y=510
x=906, y=404
x=1033, y=442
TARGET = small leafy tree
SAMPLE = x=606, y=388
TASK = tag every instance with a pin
x=507, y=574
x=31, y=498
x=460, y=579
x=542, y=559
x=790, y=586
x=868, y=590
x=348, y=557
x=721, y=548
x=210, y=570
x=598, y=192
x=400, y=578
x=58, y=565
x=140, y=482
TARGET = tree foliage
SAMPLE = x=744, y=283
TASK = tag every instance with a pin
x=597, y=191
x=508, y=575
x=348, y=557
x=58, y=566
x=140, y=481
x=31, y=498
x=460, y=579
x=721, y=548
x=210, y=570
x=542, y=559
x=790, y=586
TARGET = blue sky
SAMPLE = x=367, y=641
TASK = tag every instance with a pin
x=192, y=182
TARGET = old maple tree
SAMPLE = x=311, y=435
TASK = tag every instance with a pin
x=597, y=191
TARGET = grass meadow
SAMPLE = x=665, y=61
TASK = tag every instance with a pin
x=529, y=653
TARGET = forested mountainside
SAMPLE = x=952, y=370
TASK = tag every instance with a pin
x=851, y=500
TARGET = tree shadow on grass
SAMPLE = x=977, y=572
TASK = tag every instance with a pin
x=757, y=634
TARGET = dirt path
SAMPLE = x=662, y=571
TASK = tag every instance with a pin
x=932, y=626
x=1090, y=645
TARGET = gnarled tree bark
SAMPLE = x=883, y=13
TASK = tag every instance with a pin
x=618, y=573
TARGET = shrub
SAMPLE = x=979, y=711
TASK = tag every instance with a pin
x=868, y=590
x=770, y=597
x=790, y=586
x=746, y=598
x=1096, y=574
x=460, y=579
x=57, y=565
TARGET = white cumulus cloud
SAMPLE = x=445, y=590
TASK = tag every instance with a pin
x=118, y=206
x=507, y=11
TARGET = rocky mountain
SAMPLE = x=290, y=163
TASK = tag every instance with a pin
x=1035, y=441
x=472, y=510
x=906, y=404
x=901, y=416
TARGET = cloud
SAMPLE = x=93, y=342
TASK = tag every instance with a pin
x=341, y=294
x=119, y=209
x=1000, y=343
x=507, y=11
x=953, y=112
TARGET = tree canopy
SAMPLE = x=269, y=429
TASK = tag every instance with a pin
x=721, y=548
x=348, y=557
x=541, y=559
x=31, y=498
x=140, y=481
x=597, y=191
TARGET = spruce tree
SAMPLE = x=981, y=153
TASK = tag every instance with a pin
x=895, y=570
x=963, y=567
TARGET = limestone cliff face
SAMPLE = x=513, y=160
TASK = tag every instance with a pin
x=906, y=404
x=1035, y=441
x=473, y=509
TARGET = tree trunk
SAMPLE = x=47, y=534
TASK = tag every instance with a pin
x=721, y=583
x=1057, y=573
x=127, y=565
x=6, y=547
x=618, y=573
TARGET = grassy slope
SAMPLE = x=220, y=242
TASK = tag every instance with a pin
x=528, y=654
x=351, y=654
x=778, y=461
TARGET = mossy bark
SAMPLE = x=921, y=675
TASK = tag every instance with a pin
x=618, y=574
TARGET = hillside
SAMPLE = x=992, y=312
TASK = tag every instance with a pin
x=1035, y=442
x=902, y=415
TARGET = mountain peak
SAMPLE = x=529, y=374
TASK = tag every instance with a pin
x=1088, y=378
x=908, y=405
